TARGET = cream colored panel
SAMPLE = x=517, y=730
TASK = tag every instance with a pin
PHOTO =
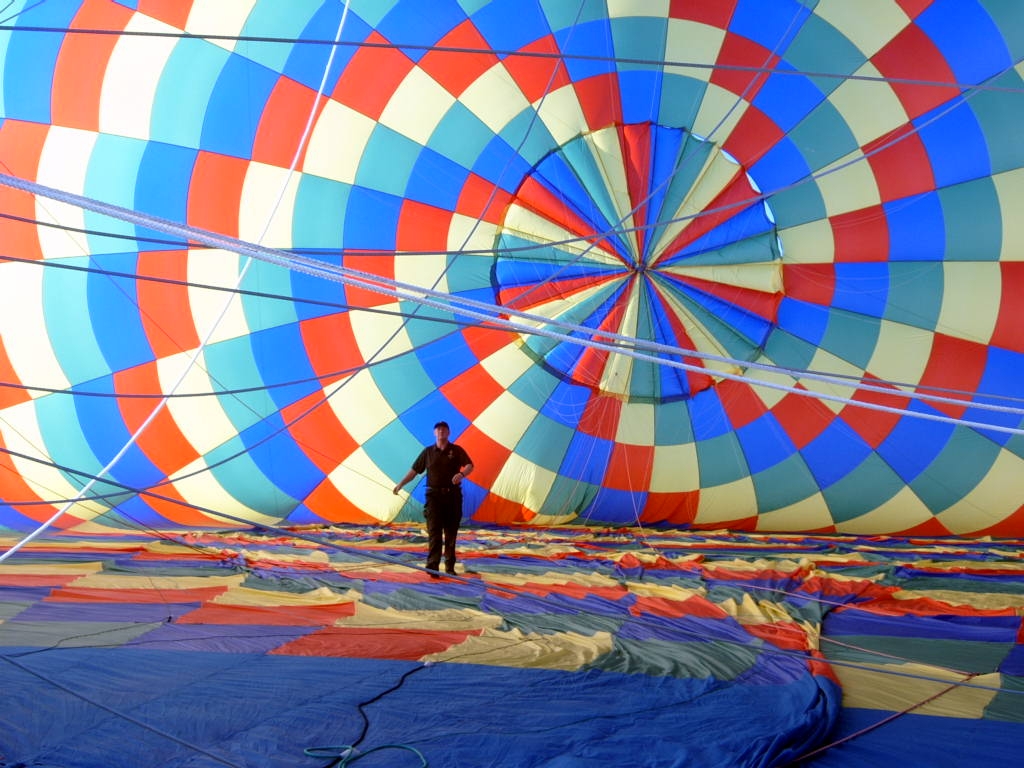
x=805, y=515
x=636, y=424
x=202, y=420
x=19, y=428
x=494, y=98
x=849, y=188
x=506, y=366
x=868, y=24
x=562, y=115
x=218, y=17
x=722, y=503
x=362, y=482
x=132, y=76
x=563, y=650
x=810, y=243
x=380, y=334
x=199, y=486
x=63, y=164
x=522, y=480
x=336, y=143
x=870, y=108
x=216, y=315
x=21, y=307
x=506, y=420
x=469, y=234
x=266, y=204
x=626, y=8
x=1010, y=188
x=417, y=106
x=970, y=308
x=901, y=352
x=701, y=42
x=362, y=410
x=675, y=469
x=894, y=688
x=720, y=111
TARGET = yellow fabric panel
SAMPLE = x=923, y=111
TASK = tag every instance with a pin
x=870, y=107
x=851, y=187
x=901, y=352
x=261, y=597
x=888, y=687
x=868, y=24
x=970, y=308
x=131, y=581
x=1010, y=189
x=445, y=620
x=720, y=503
x=566, y=651
x=416, y=106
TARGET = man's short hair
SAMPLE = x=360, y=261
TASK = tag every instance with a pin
x=442, y=424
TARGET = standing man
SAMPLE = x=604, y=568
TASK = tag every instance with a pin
x=446, y=465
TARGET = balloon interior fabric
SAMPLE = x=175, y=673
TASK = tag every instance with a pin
x=719, y=296
x=556, y=647
x=740, y=264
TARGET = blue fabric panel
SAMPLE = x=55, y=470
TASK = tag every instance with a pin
x=834, y=453
x=862, y=288
x=1013, y=664
x=788, y=99
x=764, y=442
x=773, y=25
x=371, y=219
x=992, y=629
x=587, y=48
x=956, y=144
x=499, y=163
x=1000, y=378
x=101, y=422
x=165, y=173
x=235, y=106
x=114, y=313
x=424, y=28
x=586, y=457
x=916, y=228
x=306, y=63
x=436, y=180
x=802, y=320
x=29, y=60
x=285, y=463
x=733, y=726
x=965, y=34
x=708, y=416
x=446, y=358
x=616, y=506
x=566, y=402
x=780, y=166
x=937, y=742
x=914, y=443
x=640, y=95
x=280, y=356
x=509, y=25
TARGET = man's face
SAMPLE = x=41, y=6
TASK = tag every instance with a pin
x=441, y=435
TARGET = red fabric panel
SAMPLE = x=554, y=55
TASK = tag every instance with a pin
x=373, y=643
